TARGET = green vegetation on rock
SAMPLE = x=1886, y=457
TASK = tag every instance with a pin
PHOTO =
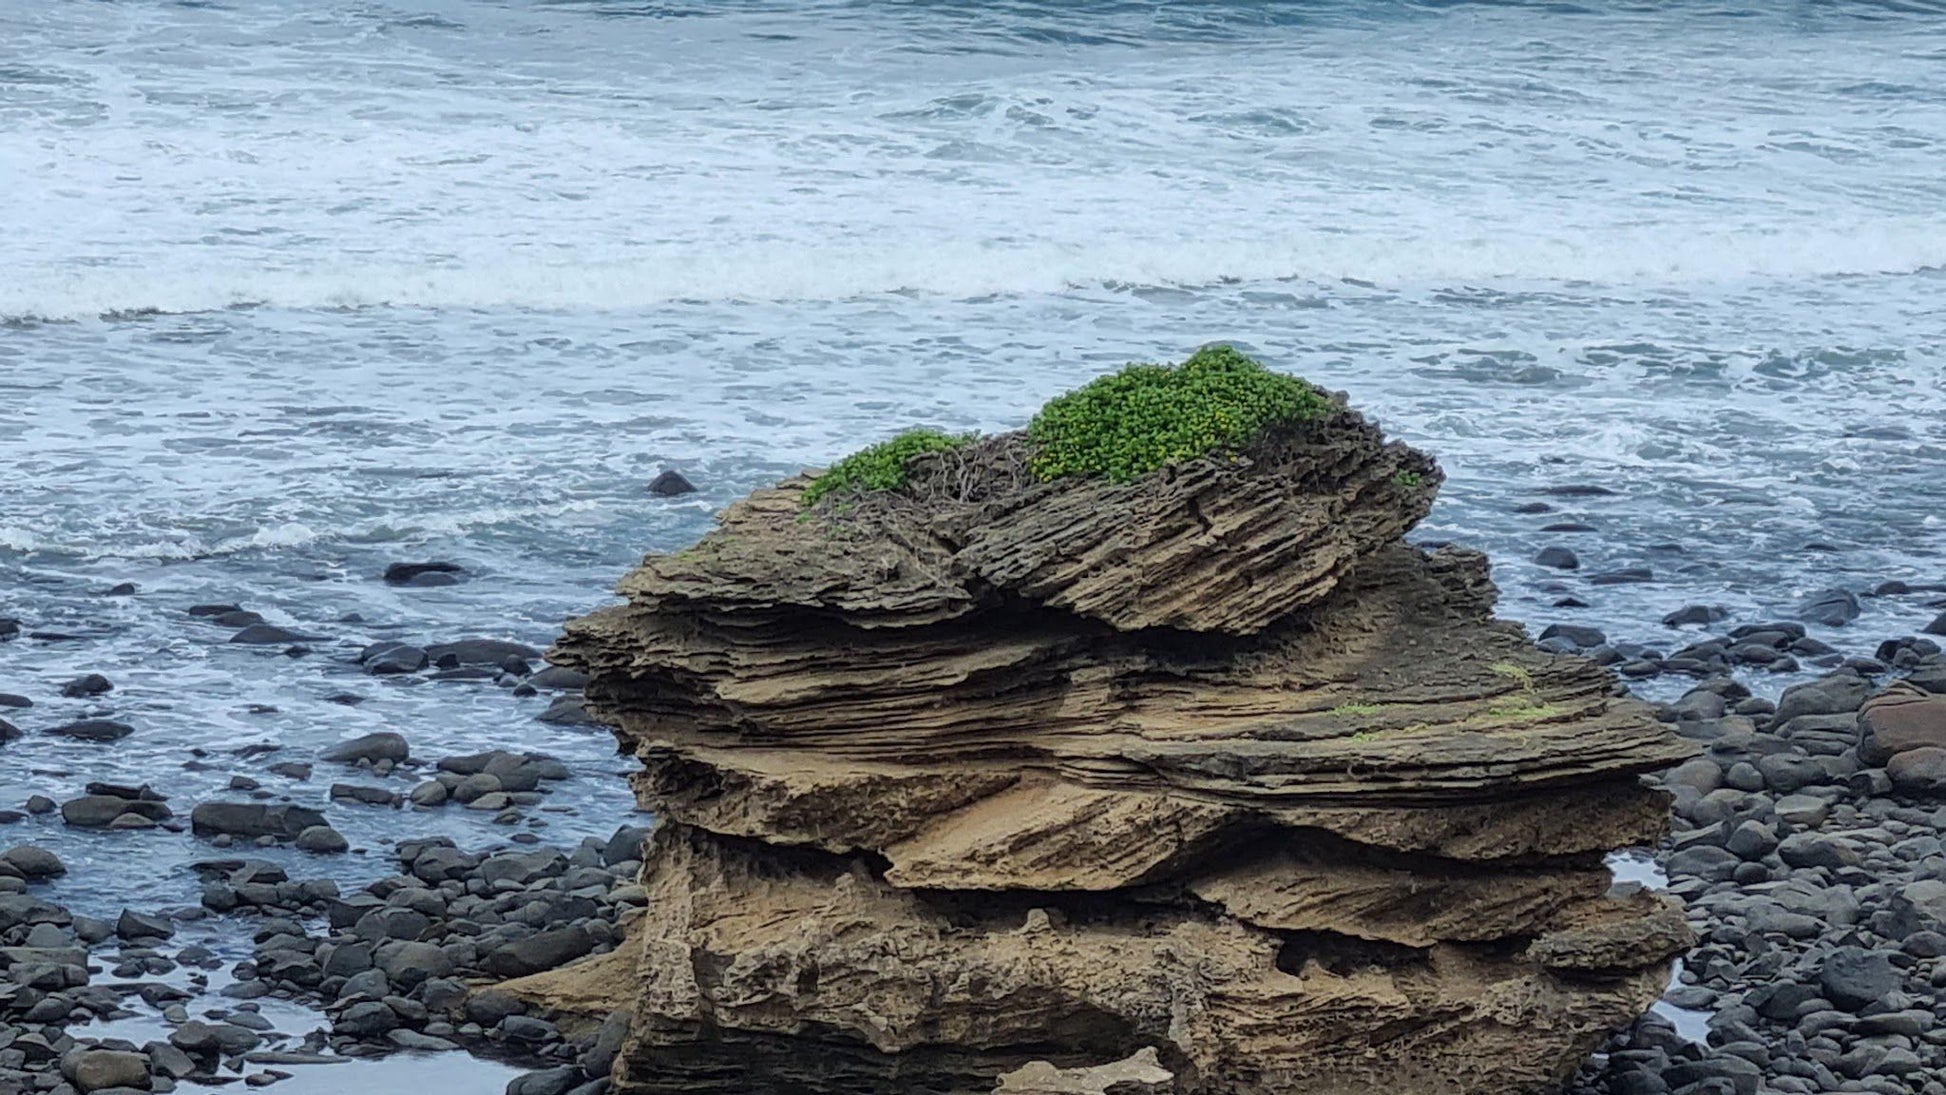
x=1145, y=417
x=1525, y=705
x=1514, y=673
x=1119, y=426
x=881, y=466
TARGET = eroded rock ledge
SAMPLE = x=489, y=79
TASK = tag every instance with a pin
x=985, y=771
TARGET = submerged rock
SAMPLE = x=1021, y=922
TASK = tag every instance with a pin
x=434, y=573
x=567, y=711
x=984, y=770
x=97, y=730
x=387, y=658
x=270, y=635
x=91, y=684
x=1559, y=558
x=1831, y=607
x=478, y=652
x=670, y=483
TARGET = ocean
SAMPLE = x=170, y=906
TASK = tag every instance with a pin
x=292, y=291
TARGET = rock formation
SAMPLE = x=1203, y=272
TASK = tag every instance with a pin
x=985, y=774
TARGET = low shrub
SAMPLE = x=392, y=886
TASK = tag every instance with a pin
x=881, y=466
x=1145, y=417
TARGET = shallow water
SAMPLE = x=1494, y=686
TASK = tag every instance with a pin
x=1637, y=865
x=414, y=1073
x=294, y=290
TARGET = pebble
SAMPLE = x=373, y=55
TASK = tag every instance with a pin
x=1820, y=890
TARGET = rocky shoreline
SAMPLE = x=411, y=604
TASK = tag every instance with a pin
x=1815, y=882
x=1806, y=851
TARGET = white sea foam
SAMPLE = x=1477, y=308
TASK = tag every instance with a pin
x=1632, y=262
x=722, y=167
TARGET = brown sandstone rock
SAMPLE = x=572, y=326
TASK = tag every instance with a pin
x=1902, y=717
x=1139, y=1073
x=988, y=772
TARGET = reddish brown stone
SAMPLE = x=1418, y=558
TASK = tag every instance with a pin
x=1901, y=718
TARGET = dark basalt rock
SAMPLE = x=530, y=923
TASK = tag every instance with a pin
x=1695, y=615
x=1559, y=558
x=92, y=684
x=669, y=484
x=1831, y=607
x=96, y=730
x=491, y=652
x=252, y=819
x=1584, y=638
x=423, y=574
x=384, y=745
x=391, y=658
x=213, y=610
x=270, y=635
x=100, y=811
x=542, y=951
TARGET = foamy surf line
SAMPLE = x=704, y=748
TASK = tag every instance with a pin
x=1659, y=260
x=112, y=543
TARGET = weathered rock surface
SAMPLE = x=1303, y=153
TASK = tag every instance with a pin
x=252, y=819
x=1902, y=718
x=986, y=772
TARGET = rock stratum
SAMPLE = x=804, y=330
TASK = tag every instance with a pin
x=985, y=781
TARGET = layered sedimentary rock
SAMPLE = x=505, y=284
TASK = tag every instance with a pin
x=986, y=774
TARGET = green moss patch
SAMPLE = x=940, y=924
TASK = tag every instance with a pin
x=1146, y=417
x=882, y=466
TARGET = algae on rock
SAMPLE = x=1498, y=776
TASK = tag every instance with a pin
x=995, y=769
